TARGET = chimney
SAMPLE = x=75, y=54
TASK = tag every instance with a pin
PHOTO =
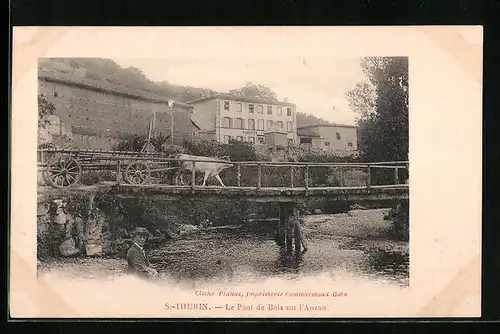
x=285, y=99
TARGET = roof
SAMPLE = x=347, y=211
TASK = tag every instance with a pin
x=238, y=98
x=106, y=87
x=328, y=125
x=195, y=124
x=306, y=134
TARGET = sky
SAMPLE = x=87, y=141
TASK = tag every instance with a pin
x=316, y=85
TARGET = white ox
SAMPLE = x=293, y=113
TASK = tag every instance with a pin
x=204, y=165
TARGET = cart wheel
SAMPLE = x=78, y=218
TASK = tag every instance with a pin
x=63, y=171
x=137, y=172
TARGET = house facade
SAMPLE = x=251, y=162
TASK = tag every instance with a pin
x=225, y=117
x=98, y=115
x=329, y=137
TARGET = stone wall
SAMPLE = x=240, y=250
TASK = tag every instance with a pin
x=68, y=227
x=99, y=114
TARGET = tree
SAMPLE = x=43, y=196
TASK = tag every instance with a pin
x=382, y=104
x=252, y=90
x=45, y=108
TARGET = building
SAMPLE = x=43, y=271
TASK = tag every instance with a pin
x=98, y=114
x=329, y=137
x=225, y=117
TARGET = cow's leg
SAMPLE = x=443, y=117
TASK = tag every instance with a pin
x=205, y=177
x=177, y=175
x=219, y=179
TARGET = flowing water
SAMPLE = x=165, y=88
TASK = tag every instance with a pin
x=336, y=243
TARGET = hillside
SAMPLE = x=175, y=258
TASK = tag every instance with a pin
x=106, y=71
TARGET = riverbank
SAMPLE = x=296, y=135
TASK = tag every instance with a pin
x=359, y=233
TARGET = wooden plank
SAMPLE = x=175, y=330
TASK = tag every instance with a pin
x=259, y=177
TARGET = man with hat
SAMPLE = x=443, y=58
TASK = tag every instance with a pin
x=138, y=263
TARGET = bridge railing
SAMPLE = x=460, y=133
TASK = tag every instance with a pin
x=294, y=174
x=253, y=174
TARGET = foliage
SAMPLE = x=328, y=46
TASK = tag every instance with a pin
x=45, y=108
x=236, y=150
x=382, y=104
x=108, y=72
x=304, y=119
x=253, y=90
x=400, y=216
x=383, y=107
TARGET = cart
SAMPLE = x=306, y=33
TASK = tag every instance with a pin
x=64, y=168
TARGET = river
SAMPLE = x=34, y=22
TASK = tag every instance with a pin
x=355, y=243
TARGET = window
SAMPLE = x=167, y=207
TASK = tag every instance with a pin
x=327, y=143
x=269, y=110
x=226, y=105
x=289, y=126
x=239, y=138
x=238, y=107
x=250, y=108
x=226, y=122
x=238, y=123
x=338, y=135
x=349, y=144
x=306, y=140
x=251, y=124
x=259, y=110
x=261, y=140
x=269, y=125
x=251, y=140
x=227, y=139
x=280, y=125
x=280, y=111
x=260, y=124
x=289, y=111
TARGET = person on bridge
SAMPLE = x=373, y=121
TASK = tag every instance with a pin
x=138, y=263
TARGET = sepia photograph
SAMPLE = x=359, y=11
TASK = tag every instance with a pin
x=229, y=186
x=314, y=182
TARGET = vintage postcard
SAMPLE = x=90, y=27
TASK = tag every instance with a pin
x=246, y=172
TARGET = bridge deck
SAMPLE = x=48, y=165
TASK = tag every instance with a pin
x=266, y=194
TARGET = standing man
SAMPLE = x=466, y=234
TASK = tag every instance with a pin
x=138, y=263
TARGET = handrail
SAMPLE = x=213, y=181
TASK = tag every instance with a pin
x=157, y=156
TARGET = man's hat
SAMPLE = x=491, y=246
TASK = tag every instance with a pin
x=141, y=231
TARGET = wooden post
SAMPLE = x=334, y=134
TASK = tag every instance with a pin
x=118, y=172
x=306, y=177
x=407, y=173
x=289, y=231
x=259, y=176
x=369, y=177
x=296, y=229
x=341, y=176
x=396, y=176
x=280, y=233
x=239, y=175
x=193, y=175
x=291, y=176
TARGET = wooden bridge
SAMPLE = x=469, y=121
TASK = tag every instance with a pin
x=286, y=183
x=133, y=174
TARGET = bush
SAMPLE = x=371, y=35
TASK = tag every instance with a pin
x=400, y=216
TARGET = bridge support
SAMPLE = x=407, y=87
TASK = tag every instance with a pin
x=289, y=233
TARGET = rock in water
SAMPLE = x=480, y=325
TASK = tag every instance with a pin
x=67, y=248
x=318, y=211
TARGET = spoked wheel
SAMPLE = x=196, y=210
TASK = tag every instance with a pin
x=137, y=172
x=63, y=171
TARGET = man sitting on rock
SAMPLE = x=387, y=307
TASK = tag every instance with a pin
x=138, y=263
